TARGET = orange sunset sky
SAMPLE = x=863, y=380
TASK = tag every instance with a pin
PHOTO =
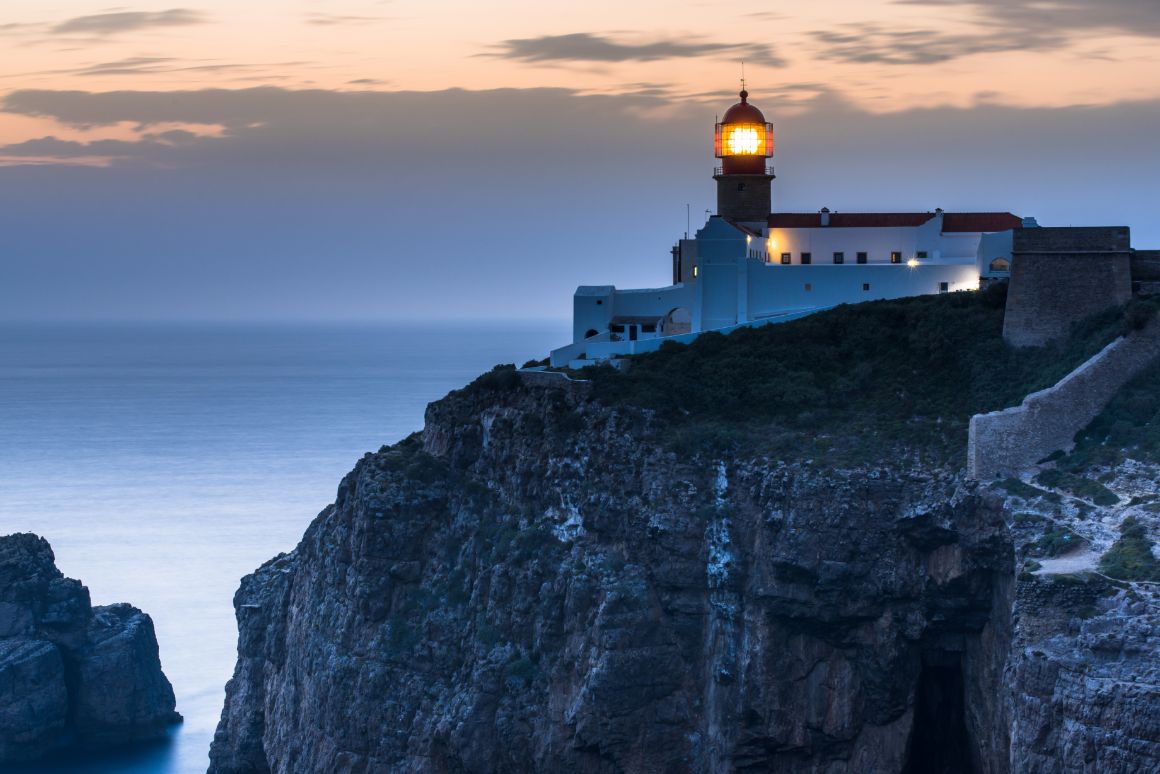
x=882, y=56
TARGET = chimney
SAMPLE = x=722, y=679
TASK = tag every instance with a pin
x=825, y=212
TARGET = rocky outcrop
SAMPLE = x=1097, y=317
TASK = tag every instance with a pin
x=71, y=675
x=538, y=583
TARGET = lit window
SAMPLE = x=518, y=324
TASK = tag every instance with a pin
x=865, y=286
x=896, y=257
x=785, y=258
x=862, y=257
x=1000, y=266
x=839, y=257
x=694, y=271
x=807, y=258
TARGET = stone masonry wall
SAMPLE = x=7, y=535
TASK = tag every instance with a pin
x=1004, y=442
x=1059, y=276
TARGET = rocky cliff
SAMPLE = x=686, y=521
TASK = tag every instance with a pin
x=71, y=675
x=551, y=579
x=536, y=583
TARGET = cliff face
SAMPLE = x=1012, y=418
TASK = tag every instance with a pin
x=71, y=675
x=538, y=584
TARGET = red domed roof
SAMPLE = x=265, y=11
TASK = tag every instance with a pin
x=743, y=112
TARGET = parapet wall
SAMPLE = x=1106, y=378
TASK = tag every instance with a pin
x=1002, y=443
x=1060, y=276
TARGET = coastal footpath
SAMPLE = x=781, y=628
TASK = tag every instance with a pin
x=73, y=677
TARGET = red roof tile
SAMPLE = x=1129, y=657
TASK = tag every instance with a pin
x=980, y=221
x=952, y=221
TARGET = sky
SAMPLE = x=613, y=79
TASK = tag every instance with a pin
x=394, y=159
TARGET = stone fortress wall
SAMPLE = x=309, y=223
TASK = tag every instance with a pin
x=1059, y=276
x=1002, y=443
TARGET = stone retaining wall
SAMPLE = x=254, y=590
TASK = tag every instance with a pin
x=1059, y=276
x=1002, y=443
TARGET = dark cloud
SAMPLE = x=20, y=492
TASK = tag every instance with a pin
x=1129, y=17
x=335, y=20
x=587, y=47
x=112, y=23
x=872, y=43
x=155, y=65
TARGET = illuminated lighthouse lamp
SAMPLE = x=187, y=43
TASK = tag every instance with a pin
x=743, y=135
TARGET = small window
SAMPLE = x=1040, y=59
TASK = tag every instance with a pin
x=600, y=301
x=807, y=258
x=809, y=287
x=944, y=287
x=590, y=333
x=694, y=271
x=839, y=257
x=920, y=255
x=741, y=186
x=1000, y=266
x=785, y=258
x=865, y=286
x=896, y=257
x=862, y=257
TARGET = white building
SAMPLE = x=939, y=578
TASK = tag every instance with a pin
x=748, y=266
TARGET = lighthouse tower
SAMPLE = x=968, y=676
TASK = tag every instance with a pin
x=743, y=141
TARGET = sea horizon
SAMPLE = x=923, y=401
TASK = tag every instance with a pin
x=165, y=461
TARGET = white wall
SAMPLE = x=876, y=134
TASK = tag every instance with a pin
x=877, y=242
x=775, y=289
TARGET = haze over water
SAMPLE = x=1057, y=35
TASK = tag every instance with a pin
x=163, y=463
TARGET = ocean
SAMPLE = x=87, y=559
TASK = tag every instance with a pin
x=163, y=462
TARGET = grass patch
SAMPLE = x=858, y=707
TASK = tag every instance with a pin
x=1055, y=542
x=854, y=379
x=1014, y=486
x=1130, y=558
x=1078, y=485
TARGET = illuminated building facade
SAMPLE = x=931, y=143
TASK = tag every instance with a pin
x=749, y=265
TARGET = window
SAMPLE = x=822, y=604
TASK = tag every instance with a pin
x=600, y=302
x=590, y=333
x=920, y=255
x=896, y=257
x=944, y=287
x=807, y=258
x=862, y=257
x=839, y=257
x=1000, y=266
x=694, y=271
x=809, y=287
x=785, y=258
x=648, y=328
x=865, y=286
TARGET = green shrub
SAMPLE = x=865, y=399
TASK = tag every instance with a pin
x=1026, y=491
x=1130, y=558
x=1078, y=486
x=1056, y=541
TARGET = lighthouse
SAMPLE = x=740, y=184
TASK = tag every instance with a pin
x=743, y=140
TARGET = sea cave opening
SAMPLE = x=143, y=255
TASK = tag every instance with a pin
x=939, y=742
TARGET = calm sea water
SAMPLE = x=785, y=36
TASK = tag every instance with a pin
x=163, y=463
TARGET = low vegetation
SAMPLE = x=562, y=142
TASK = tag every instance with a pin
x=1130, y=558
x=1128, y=426
x=850, y=381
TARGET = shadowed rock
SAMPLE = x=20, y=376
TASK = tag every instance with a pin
x=71, y=675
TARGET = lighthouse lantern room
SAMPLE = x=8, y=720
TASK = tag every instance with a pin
x=743, y=140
